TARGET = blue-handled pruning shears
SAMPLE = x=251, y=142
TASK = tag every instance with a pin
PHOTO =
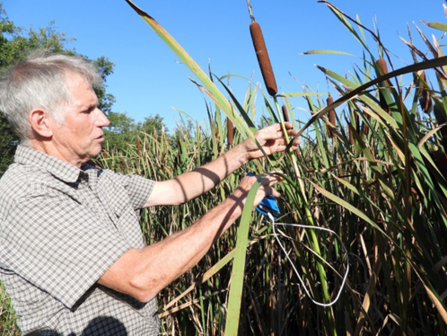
x=268, y=205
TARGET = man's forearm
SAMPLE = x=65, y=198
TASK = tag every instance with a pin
x=206, y=177
x=143, y=273
x=191, y=184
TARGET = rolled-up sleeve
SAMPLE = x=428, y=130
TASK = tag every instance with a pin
x=138, y=188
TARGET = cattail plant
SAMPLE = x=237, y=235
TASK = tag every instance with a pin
x=285, y=113
x=351, y=135
x=365, y=205
x=331, y=115
x=262, y=55
x=424, y=95
x=365, y=127
x=122, y=163
x=137, y=159
x=383, y=70
x=138, y=147
x=263, y=58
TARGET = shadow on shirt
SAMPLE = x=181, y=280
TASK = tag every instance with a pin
x=99, y=326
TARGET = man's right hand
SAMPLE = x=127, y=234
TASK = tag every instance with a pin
x=246, y=183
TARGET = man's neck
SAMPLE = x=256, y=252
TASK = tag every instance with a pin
x=49, y=148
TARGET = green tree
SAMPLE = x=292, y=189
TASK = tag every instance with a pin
x=105, y=100
x=8, y=143
x=152, y=124
x=16, y=43
x=122, y=130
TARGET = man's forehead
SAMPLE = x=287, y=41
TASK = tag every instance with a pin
x=80, y=89
x=74, y=80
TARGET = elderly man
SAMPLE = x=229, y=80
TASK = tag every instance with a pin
x=72, y=256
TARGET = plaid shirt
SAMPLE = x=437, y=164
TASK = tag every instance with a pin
x=61, y=228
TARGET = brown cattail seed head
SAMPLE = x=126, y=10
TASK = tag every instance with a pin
x=383, y=67
x=230, y=131
x=383, y=70
x=263, y=58
x=138, y=147
x=365, y=129
x=351, y=136
x=424, y=96
x=330, y=133
x=216, y=132
x=285, y=113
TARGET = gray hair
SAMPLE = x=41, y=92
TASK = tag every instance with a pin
x=39, y=81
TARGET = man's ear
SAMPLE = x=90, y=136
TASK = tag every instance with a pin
x=40, y=123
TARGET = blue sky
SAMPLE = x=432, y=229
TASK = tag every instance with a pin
x=148, y=78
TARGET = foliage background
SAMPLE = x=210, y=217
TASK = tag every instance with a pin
x=373, y=180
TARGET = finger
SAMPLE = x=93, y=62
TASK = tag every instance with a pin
x=291, y=132
x=282, y=143
x=275, y=192
x=287, y=125
x=272, y=134
x=276, y=128
x=268, y=190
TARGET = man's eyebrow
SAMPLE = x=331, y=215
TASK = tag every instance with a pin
x=88, y=107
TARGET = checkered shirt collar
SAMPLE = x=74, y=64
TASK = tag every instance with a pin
x=62, y=170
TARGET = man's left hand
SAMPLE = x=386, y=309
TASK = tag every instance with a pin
x=271, y=139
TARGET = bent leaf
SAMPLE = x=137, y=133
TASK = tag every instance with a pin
x=321, y=51
x=436, y=25
x=212, y=91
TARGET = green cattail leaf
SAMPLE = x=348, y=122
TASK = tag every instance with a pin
x=213, y=270
x=427, y=42
x=436, y=25
x=238, y=271
x=344, y=18
x=430, y=134
x=208, y=86
x=360, y=90
x=347, y=184
x=244, y=114
x=428, y=183
x=437, y=301
x=321, y=51
x=180, y=112
x=351, y=208
x=302, y=94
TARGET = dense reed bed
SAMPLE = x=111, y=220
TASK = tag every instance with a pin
x=372, y=166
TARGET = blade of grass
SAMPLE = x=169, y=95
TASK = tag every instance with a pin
x=238, y=271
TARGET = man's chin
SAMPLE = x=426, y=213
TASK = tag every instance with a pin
x=95, y=151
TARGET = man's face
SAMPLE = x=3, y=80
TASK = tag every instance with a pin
x=80, y=137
